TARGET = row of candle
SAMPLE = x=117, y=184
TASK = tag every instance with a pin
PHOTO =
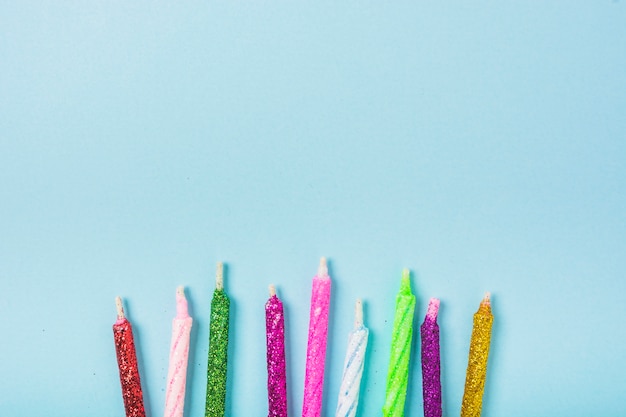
x=397, y=378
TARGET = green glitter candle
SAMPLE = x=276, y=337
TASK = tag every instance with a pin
x=398, y=374
x=218, y=349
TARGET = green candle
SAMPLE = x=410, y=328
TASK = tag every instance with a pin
x=398, y=374
x=218, y=349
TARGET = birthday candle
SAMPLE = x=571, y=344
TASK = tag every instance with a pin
x=127, y=363
x=276, y=372
x=316, y=348
x=179, y=354
x=431, y=380
x=353, y=367
x=398, y=373
x=477, y=362
x=218, y=349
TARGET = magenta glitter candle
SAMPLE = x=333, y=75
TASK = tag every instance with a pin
x=316, y=348
x=276, y=371
x=431, y=379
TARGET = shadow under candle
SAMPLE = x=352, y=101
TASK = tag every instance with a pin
x=329, y=404
x=193, y=338
x=232, y=349
x=140, y=361
x=491, y=386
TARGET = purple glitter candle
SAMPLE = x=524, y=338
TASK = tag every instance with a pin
x=276, y=373
x=431, y=380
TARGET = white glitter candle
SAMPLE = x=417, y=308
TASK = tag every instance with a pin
x=353, y=367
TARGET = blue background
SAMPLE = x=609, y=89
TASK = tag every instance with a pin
x=480, y=144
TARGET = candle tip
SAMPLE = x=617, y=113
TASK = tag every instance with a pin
x=487, y=299
x=180, y=295
x=322, y=271
x=405, y=284
x=181, y=303
x=358, y=314
x=119, y=307
x=433, y=308
x=219, y=276
x=272, y=289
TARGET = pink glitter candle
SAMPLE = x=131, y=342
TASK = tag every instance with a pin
x=276, y=372
x=316, y=349
x=127, y=363
x=179, y=355
x=431, y=379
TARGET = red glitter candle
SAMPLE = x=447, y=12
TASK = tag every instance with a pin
x=127, y=362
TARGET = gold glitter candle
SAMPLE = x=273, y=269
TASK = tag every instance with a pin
x=477, y=363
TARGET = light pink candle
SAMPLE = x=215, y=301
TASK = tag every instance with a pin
x=179, y=355
x=316, y=349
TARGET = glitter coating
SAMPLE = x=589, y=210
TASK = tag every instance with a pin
x=398, y=373
x=276, y=370
x=179, y=355
x=431, y=362
x=129, y=372
x=218, y=349
x=477, y=363
x=352, y=373
x=316, y=348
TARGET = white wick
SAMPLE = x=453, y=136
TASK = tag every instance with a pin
x=358, y=314
x=433, y=308
x=119, y=307
x=322, y=271
x=487, y=298
x=180, y=291
x=219, y=276
x=272, y=289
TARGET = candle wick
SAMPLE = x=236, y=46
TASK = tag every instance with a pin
x=322, y=271
x=433, y=308
x=358, y=314
x=182, y=309
x=272, y=290
x=120, y=308
x=406, y=274
x=219, y=276
x=487, y=299
x=405, y=283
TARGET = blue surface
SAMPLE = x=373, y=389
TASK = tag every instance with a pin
x=482, y=145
